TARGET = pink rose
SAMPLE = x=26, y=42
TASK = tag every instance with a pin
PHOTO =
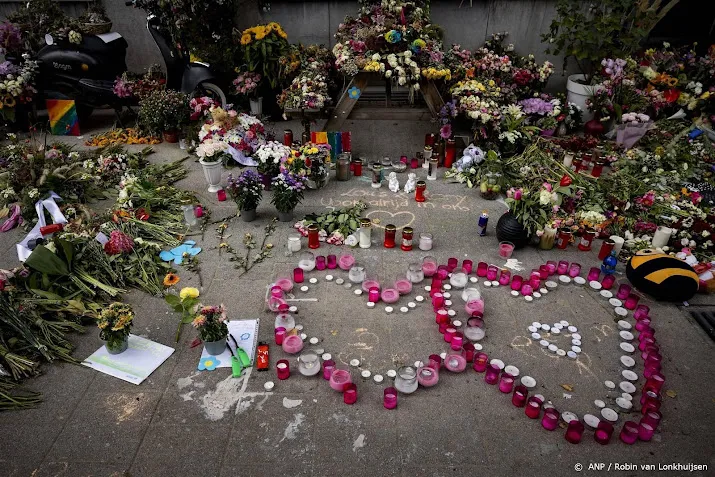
x=517, y=194
x=548, y=186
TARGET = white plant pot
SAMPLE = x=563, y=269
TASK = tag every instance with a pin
x=256, y=107
x=212, y=173
x=578, y=93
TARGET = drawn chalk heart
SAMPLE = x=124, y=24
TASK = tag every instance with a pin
x=405, y=219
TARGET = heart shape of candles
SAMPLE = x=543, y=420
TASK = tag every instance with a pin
x=549, y=336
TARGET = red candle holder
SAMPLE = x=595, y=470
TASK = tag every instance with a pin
x=543, y=272
x=482, y=268
x=520, y=395
x=414, y=163
x=641, y=312
x=652, y=418
x=320, y=262
x=407, y=233
x=623, y=291
x=492, y=272
x=437, y=300
x=564, y=239
x=647, y=341
x=443, y=326
x=643, y=324
x=608, y=281
x=467, y=266
x=332, y=262
x=449, y=333
x=357, y=167
x=655, y=383
x=492, y=374
x=516, y=282
x=469, y=351
x=450, y=152
x=442, y=272
x=506, y=383
x=645, y=431
x=313, y=240
x=298, y=275
x=221, y=195
x=279, y=334
x=533, y=407
x=586, y=240
x=597, y=169
x=435, y=362
x=526, y=290
x=420, y=188
x=603, y=433
x=504, y=277
x=563, y=267
x=457, y=341
x=594, y=274
x=574, y=431
x=550, y=421
x=480, y=362
x=629, y=432
x=441, y=316
x=631, y=302
x=606, y=249
x=452, y=264
x=389, y=399
x=328, y=367
x=283, y=369
x=350, y=393
x=390, y=232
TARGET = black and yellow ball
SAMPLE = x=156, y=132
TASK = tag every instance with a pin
x=661, y=276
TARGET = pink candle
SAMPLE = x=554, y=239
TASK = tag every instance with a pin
x=390, y=398
x=441, y=316
x=298, y=275
x=506, y=383
x=328, y=367
x=455, y=362
x=280, y=333
x=467, y=266
x=283, y=369
x=390, y=295
x=608, y=281
x=429, y=268
x=492, y=272
x=403, y=286
x=449, y=333
x=437, y=300
x=339, y=378
x=629, y=432
x=292, y=344
x=442, y=272
x=427, y=376
x=550, y=421
x=285, y=283
x=473, y=306
x=505, y=277
x=480, y=362
x=574, y=270
x=516, y=282
x=544, y=272
x=506, y=249
x=563, y=267
x=482, y=268
x=435, y=362
x=373, y=295
x=623, y=291
x=631, y=301
x=457, y=341
x=520, y=395
x=551, y=265
x=369, y=283
x=350, y=393
x=345, y=262
x=526, y=289
x=641, y=312
x=452, y=263
x=593, y=274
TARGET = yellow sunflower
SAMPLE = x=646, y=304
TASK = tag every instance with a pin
x=246, y=38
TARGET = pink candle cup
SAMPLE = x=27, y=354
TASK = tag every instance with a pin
x=574, y=431
x=563, y=267
x=526, y=290
x=551, y=265
x=339, y=379
x=623, y=291
x=533, y=407
x=328, y=367
x=403, y=286
x=455, y=362
x=492, y=374
x=469, y=351
x=505, y=277
x=645, y=431
x=370, y=283
x=608, y=281
x=427, y=376
x=298, y=275
x=482, y=268
x=481, y=360
x=516, y=282
x=574, y=270
x=285, y=283
x=543, y=272
x=594, y=274
x=506, y=383
x=429, y=266
x=457, y=341
x=437, y=300
x=506, y=249
x=350, y=393
x=467, y=266
x=441, y=316
x=389, y=398
x=345, y=262
x=320, y=262
x=283, y=369
x=442, y=272
x=520, y=395
x=332, y=262
x=641, y=312
x=629, y=432
x=550, y=421
x=373, y=296
x=474, y=306
x=603, y=433
x=292, y=344
x=452, y=264
x=449, y=333
x=492, y=272
x=279, y=335
x=390, y=295
x=435, y=362
x=631, y=301
x=652, y=418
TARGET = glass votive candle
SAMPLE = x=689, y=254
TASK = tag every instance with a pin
x=390, y=295
x=480, y=362
x=492, y=272
x=441, y=317
x=652, y=418
x=574, y=431
x=543, y=272
x=608, y=281
x=654, y=383
x=641, y=312
x=469, y=351
x=427, y=376
x=518, y=399
x=320, y=262
x=603, y=433
x=474, y=306
x=526, y=290
x=629, y=432
x=593, y=274
x=459, y=278
x=452, y=263
x=506, y=249
x=492, y=374
x=504, y=277
x=332, y=262
x=406, y=379
x=389, y=398
x=516, y=282
x=533, y=407
x=373, y=295
x=307, y=261
x=328, y=367
x=631, y=302
x=429, y=266
x=298, y=275
x=437, y=300
x=279, y=334
x=643, y=324
x=350, y=393
x=455, y=361
x=563, y=267
x=623, y=291
x=339, y=378
x=467, y=266
x=356, y=274
x=283, y=369
x=550, y=421
x=574, y=270
x=442, y=272
x=506, y=383
x=473, y=330
x=276, y=291
x=415, y=273
x=551, y=265
x=403, y=286
x=535, y=281
x=309, y=363
x=345, y=262
x=435, y=362
x=482, y=268
x=457, y=341
x=370, y=281
x=449, y=333
x=645, y=431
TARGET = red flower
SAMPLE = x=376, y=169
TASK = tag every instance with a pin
x=671, y=95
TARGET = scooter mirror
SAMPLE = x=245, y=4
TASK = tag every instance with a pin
x=49, y=40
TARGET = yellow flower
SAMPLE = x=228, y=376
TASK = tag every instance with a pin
x=260, y=35
x=705, y=95
x=188, y=292
x=171, y=279
x=223, y=245
x=246, y=38
x=313, y=150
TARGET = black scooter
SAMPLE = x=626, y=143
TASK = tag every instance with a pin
x=86, y=72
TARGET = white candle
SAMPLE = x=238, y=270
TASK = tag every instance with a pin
x=662, y=237
x=618, y=243
x=568, y=159
x=365, y=235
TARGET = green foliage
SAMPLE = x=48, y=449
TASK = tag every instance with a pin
x=345, y=220
x=164, y=110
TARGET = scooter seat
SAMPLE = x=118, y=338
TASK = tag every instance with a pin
x=97, y=86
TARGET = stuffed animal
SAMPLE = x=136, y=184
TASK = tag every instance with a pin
x=661, y=276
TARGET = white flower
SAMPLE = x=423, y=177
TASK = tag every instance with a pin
x=544, y=197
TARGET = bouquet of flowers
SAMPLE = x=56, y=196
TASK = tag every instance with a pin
x=247, y=83
x=263, y=45
x=240, y=134
x=16, y=85
x=114, y=323
x=308, y=90
x=312, y=160
x=271, y=156
x=288, y=188
x=131, y=85
x=211, y=323
x=246, y=189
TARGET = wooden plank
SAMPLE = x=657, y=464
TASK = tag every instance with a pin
x=432, y=97
x=346, y=103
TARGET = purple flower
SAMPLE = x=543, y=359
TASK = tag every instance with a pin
x=536, y=106
x=446, y=131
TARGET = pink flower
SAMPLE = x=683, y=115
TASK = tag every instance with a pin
x=539, y=233
x=446, y=131
x=555, y=208
x=510, y=193
x=548, y=186
x=517, y=194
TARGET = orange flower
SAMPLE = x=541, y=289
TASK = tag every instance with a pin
x=171, y=279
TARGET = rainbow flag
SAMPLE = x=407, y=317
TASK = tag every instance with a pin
x=63, y=117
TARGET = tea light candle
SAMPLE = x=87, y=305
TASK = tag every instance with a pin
x=388, y=309
x=378, y=378
x=329, y=278
x=339, y=281
x=269, y=385
x=313, y=280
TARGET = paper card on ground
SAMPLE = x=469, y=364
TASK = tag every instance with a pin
x=134, y=365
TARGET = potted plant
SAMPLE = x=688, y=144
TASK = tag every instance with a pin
x=313, y=161
x=114, y=323
x=95, y=21
x=212, y=328
x=247, y=83
x=247, y=191
x=270, y=157
x=263, y=47
x=590, y=32
x=164, y=112
x=288, y=190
